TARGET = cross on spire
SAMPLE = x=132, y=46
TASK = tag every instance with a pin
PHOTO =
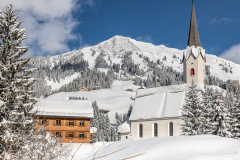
x=193, y=36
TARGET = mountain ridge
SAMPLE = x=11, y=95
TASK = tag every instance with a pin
x=113, y=50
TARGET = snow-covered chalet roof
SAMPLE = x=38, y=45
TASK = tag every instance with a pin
x=64, y=108
x=124, y=128
x=158, y=105
x=193, y=50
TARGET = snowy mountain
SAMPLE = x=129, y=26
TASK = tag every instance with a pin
x=106, y=54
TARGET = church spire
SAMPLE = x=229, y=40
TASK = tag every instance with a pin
x=193, y=36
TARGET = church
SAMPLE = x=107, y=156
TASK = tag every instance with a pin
x=157, y=111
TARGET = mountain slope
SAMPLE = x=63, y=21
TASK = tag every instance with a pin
x=114, y=49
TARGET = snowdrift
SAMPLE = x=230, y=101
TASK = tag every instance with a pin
x=203, y=147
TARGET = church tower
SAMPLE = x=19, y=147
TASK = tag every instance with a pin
x=194, y=56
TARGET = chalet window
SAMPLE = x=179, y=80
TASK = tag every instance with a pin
x=81, y=123
x=91, y=137
x=70, y=134
x=170, y=129
x=140, y=130
x=155, y=130
x=58, y=122
x=70, y=123
x=44, y=122
x=126, y=137
x=81, y=135
x=58, y=134
x=192, y=72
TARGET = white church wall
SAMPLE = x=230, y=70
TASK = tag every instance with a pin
x=148, y=128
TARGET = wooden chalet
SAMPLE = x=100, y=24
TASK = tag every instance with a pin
x=67, y=119
x=83, y=89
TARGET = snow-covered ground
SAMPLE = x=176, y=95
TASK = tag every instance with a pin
x=116, y=99
x=203, y=147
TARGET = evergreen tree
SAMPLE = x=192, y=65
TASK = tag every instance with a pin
x=235, y=118
x=129, y=111
x=15, y=97
x=95, y=121
x=220, y=116
x=191, y=113
x=206, y=110
x=118, y=119
x=107, y=129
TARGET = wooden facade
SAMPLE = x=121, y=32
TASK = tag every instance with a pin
x=72, y=130
x=83, y=89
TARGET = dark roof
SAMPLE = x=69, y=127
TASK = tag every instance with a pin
x=193, y=36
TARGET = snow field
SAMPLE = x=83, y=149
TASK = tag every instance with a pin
x=202, y=147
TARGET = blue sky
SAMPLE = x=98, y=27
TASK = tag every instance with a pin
x=54, y=28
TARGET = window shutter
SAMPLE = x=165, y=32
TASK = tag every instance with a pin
x=39, y=122
x=74, y=123
x=85, y=134
x=54, y=134
x=84, y=123
x=47, y=121
x=67, y=123
x=66, y=134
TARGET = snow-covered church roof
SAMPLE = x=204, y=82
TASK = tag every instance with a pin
x=64, y=108
x=171, y=88
x=158, y=105
x=196, y=51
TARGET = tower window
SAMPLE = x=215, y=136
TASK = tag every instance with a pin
x=192, y=72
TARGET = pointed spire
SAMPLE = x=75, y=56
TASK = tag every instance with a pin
x=193, y=36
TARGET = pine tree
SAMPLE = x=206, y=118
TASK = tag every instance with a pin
x=206, y=108
x=220, y=116
x=191, y=113
x=15, y=97
x=95, y=121
x=118, y=119
x=235, y=118
x=107, y=128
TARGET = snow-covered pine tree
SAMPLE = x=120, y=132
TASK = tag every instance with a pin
x=118, y=119
x=206, y=107
x=15, y=97
x=107, y=128
x=95, y=121
x=235, y=117
x=191, y=113
x=220, y=116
